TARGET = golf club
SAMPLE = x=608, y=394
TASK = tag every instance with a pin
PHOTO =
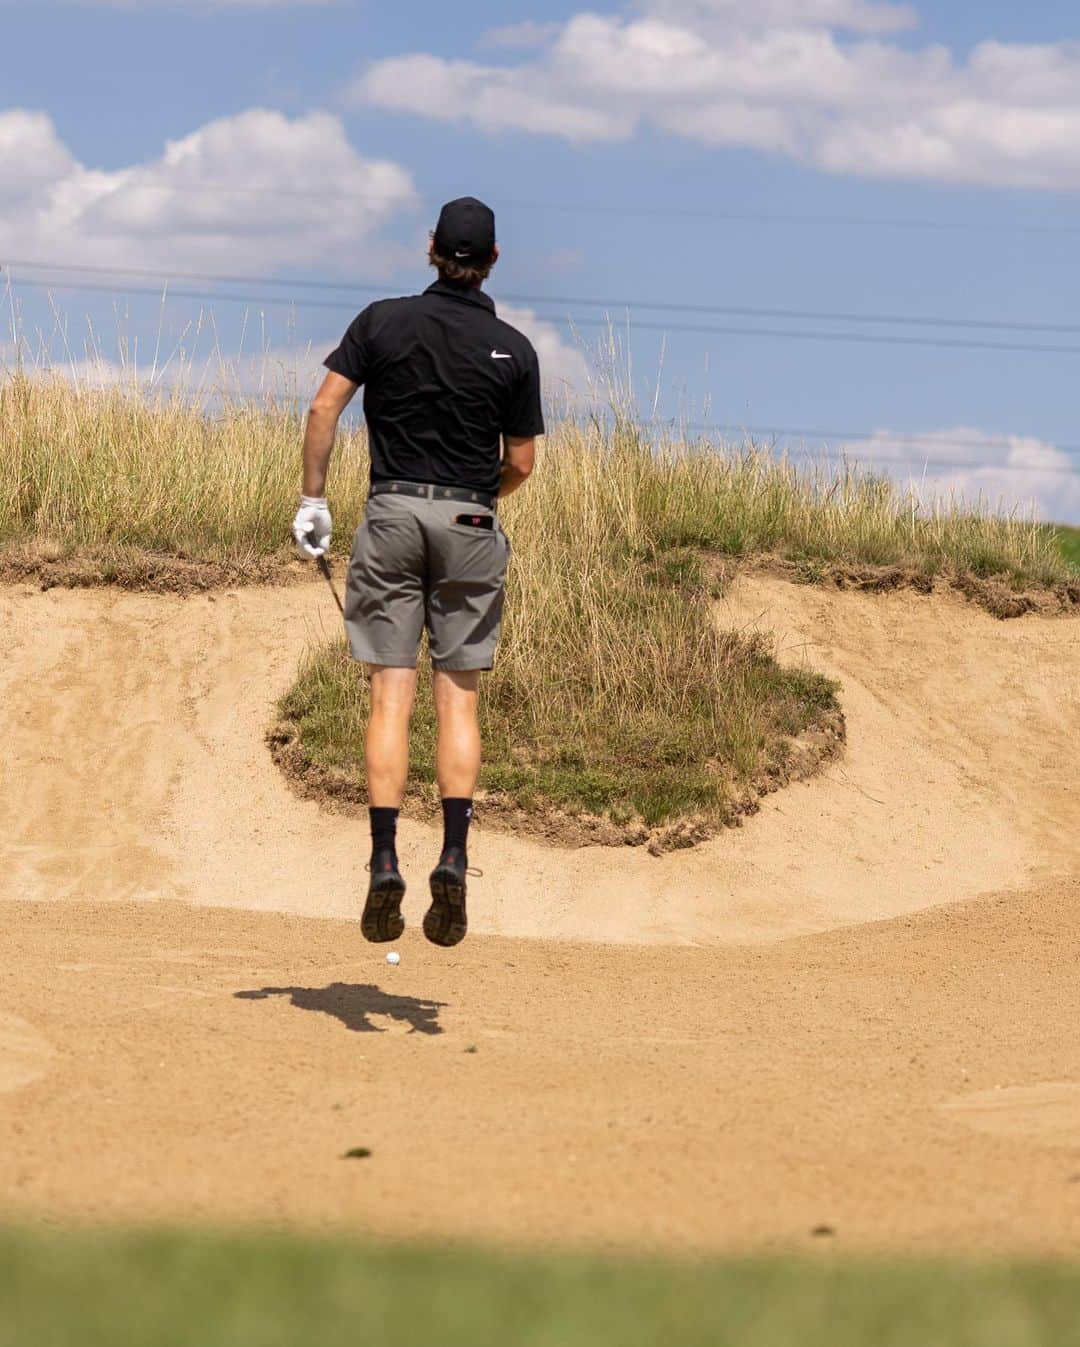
x=324, y=566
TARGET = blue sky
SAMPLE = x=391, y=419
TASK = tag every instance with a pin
x=833, y=156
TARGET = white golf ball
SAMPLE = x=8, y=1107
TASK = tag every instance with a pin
x=393, y=957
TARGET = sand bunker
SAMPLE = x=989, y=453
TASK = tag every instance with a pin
x=907, y=1084
x=134, y=725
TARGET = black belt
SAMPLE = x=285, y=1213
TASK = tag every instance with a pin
x=432, y=491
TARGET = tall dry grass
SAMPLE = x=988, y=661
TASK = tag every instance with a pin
x=107, y=470
x=95, y=471
x=615, y=691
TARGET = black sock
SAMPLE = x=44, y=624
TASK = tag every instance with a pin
x=456, y=815
x=383, y=829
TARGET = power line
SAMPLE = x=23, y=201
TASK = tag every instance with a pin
x=888, y=222
x=809, y=315
x=744, y=311
x=861, y=438
x=857, y=338
x=215, y=278
x=869, y=459
x=851, y=436
x=165, y=290
x=780, y=217
x=929, y=466
x=316, y=195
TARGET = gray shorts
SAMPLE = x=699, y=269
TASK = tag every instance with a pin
x=413, y=567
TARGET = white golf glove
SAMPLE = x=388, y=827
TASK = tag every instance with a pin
x=312, y=527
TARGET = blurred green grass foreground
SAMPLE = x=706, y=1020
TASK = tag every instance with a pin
x=172, y=1290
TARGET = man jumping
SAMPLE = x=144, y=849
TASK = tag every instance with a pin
x=452, y=404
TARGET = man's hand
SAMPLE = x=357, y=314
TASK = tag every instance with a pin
x=312, y=527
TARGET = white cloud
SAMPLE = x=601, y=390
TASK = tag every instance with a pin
x=1011, y=471
x=204, y=373
x=817, y=80
x=563, y=367
x=31, y=153
x=256, y=190
x=858, y=16
x=201, y=373
x=492, y=98
x=297, y=370
x=94, y=373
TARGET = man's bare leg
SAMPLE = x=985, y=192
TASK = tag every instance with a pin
x=387, y=759
x=457, y=759
x=457, y=769
x=387, y=748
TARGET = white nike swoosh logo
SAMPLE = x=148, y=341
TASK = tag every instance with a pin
x=464, y=254
x=499, y=355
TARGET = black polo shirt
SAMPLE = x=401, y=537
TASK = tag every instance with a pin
x=444, y=379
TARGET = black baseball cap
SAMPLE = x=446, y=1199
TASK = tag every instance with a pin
x=466, y=231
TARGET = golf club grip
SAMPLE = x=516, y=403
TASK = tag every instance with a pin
x=324, y=567
x=320, y=561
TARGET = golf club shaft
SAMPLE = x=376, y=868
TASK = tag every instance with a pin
x=324, y=566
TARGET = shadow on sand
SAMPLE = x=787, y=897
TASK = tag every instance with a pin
x=353, y=1003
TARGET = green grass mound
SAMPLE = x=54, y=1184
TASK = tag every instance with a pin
x=161, y=1290
x=662, y=750
x=619, y=709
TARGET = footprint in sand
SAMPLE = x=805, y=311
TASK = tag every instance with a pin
x=25, y=1056
x=1049, y=1112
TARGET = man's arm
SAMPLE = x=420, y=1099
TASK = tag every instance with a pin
x=329, y=402
x=519, y=455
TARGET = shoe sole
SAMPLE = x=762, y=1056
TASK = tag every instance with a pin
x=446, y=921
x=382, y=920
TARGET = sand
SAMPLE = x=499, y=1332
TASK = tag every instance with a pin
x=857, y=1011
